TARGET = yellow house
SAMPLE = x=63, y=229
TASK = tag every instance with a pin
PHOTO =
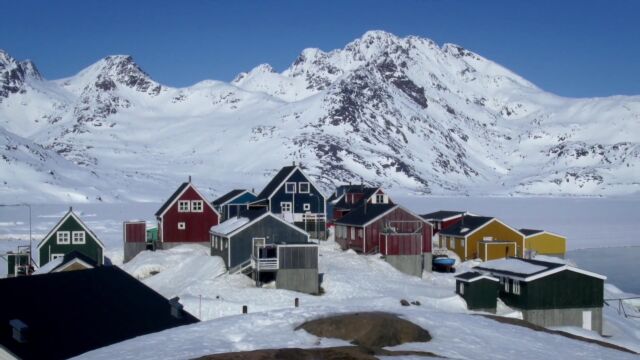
x=482, y=237
x=544, y=242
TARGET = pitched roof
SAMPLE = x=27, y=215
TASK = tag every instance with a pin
x=276, y=181
x=441, y=214
x=172, y=198
x=528, y=232
x=468, y=224
x=228, y=196
x=471, y=276
x=364, y=214
x=93, y=308
x=64, y=218
x=528, y=269
x=366, y=191
x=58, y=263
x=232, y=224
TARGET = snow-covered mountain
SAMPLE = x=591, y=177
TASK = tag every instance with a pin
x=403, y=113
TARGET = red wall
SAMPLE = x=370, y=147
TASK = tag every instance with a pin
x=135, y=232
x=197, y=224
x=373, y=230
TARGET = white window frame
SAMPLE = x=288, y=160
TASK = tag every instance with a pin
x=516, y=287
x=82, y=237
x=380, y=198
x=300, y=187
x=286, y=188
x=452, y=243
x=306, y=207
x=461, y=288
x=288, y=205
x=55, y=256
x=184, y=206
x=199, y=207
x=506, y=285
x=182, y=225
x=67, y=236
x=353, y=232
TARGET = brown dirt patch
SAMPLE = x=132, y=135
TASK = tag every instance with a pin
x=334, y=353
x=534, y=327
x=370, y=329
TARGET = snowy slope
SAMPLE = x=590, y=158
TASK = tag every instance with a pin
x=404, y=113
x=352, y=283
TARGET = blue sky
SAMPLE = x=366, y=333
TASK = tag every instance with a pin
x=572, y=48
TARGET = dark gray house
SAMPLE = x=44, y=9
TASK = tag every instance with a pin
x=548, y=293
x=264, y=246
x=293, y=197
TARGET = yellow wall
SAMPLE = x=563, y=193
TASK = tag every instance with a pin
x=496, y=250
x=498, y=232
x=458, y=249
x=547, y=244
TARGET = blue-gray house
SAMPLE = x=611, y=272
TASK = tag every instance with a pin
x=232, y=203
x=292, y=196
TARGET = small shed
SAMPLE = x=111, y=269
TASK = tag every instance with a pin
x=134, y=234
x=479, y=290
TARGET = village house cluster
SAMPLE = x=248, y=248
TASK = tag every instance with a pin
x=272, y=236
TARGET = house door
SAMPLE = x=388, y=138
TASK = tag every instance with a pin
x=257, y=244
x=287, y=211
x=586, y=320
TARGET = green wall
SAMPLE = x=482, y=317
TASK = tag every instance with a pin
x=90, y=248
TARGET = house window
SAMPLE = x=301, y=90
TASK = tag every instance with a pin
x=285, y=207
x=290, y=188
x=452, y=243
x=516, y=287
x=55, y=256
x=183, y=206
x=196, y=205
x=360, y=234
x=182, y=225
x=304, y=187
x=62, y=237
x=353, y=233
x=461, y=288
x=78, y=237
x=462, y=243
x=380, y=198
x=306, y=207
x=506, y=285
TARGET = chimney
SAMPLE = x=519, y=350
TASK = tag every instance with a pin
x=189, y=178
x=176, y=307
x=19, y=330
x=294, y=163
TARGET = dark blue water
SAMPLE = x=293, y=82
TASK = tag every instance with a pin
x=621, y=265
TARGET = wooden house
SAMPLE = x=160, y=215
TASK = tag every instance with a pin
x=352, y=197
x=230, y=204
x=391, y=230
x=481, y=237
x=64, y=314
x=292, y=196
x=263, y=245
x=70, y=234
x=549, y=294
x=69, y=262
x=185, y=217
x=544, y=243
x=479, y=290
x=443, y=219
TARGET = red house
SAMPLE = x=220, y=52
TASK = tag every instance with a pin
x=390, y=230
x=443, y=219
x=186, y=217
x=349, y=197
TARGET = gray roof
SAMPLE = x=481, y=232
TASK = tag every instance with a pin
x=364, y=214
x=468, y=224
x=441, y=214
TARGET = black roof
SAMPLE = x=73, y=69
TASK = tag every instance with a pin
x=275, y=182
x=172, y=198
x=75, y=254
x=468, y=224
x=70, y=313
x=547, y=265
x=528, y=232
x=366, y=191
x=228, y=196
x=469, y=275
x=364, y=214
x=441, y=215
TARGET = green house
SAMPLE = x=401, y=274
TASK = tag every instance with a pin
x=70, y=234
x=480, y=291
